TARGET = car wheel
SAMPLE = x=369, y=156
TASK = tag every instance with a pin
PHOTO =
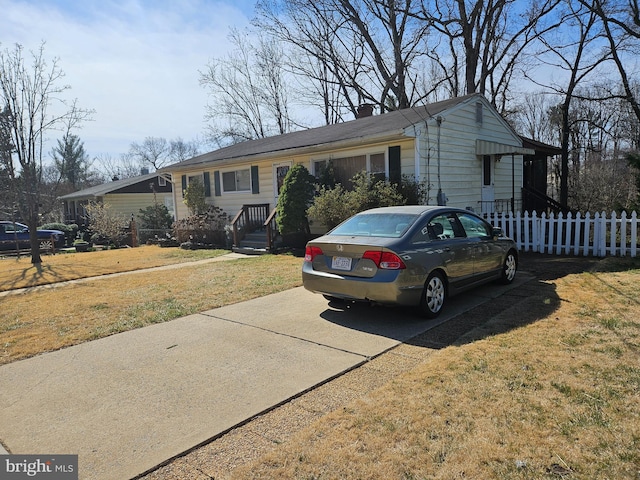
x=46, y=245
x=433, y=295
x=509, y=268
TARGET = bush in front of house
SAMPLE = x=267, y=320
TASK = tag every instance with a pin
x=105, y=225
x=155, y=217
x=70, y=231
x=295, y=197
x=194, y=197
x=334, y=205
x=204, y=230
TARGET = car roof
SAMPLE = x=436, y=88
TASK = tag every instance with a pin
x=413, y=209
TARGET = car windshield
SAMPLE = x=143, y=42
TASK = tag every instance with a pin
x=392, y=225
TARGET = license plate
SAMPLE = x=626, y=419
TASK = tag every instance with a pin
x=341, y=263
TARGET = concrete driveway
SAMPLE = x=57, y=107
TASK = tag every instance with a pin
x=129, y=402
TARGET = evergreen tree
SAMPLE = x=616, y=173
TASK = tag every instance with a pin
x=71, y=160
x=295, y=197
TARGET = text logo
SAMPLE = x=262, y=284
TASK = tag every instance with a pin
x=49, y=467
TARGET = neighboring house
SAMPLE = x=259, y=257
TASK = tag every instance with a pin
x=126, y=197
x=462, y=148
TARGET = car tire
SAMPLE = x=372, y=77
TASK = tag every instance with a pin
x=509, y=268
x=45, y=245
x=434, y=295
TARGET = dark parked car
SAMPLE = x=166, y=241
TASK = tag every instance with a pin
x=11, y=232
x=410, y=255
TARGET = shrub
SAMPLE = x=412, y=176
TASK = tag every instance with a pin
x=106, y=225
x=194, y=197
x=295, y=197
x=70, y=231
x=155, y=217
x=414, y=192
x=204, y=229
x=331, y=206
x=334, y=205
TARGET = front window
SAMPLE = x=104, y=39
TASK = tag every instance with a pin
x=343, y=169
x=196, y=178
x=236, y=181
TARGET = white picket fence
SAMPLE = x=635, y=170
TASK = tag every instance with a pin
x=598, y=235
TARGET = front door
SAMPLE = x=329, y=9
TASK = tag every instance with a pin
x=280, y=171
x=488, y=194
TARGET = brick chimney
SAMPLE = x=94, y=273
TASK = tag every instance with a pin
x=365, y=110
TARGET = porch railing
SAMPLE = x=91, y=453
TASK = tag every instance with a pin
x=248, y=219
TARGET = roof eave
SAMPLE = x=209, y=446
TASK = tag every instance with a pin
x=398, y=134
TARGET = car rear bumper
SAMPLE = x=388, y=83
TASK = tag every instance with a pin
x=390, y=289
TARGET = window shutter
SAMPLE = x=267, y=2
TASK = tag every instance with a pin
x=207, y=184
x=395, y=172
x=216, y=183
x=184, y=184
x=255, y=187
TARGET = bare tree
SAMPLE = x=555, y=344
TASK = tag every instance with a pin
x=481, y=44
x=621, y=23
x=532, y=117
x=363, y=51
x=180, y=150
x=32, y=97
x=153, y=151
x=116, y=168
x=574, y=50
x=249, y=92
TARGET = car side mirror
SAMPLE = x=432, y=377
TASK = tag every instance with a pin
x=497, y=232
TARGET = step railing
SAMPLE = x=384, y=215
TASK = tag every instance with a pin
x=250, y=218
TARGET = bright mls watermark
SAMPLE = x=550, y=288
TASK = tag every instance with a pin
x=49, y=467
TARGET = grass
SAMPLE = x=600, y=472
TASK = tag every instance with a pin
x=546, y=386
x=20, y=272
x=552, y=396
x=49, y=319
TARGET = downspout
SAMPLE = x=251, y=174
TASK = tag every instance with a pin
x=442, y=198
x=513, y=182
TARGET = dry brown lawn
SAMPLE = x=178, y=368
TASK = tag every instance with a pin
x=544, y=383
x=20, y=272
x=47, y=319
x=546, y=389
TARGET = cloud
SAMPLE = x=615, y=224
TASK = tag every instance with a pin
x=135, y=63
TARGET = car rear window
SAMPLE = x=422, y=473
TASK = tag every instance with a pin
x=391, y=225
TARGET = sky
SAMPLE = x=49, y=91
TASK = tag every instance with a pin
x=135, y=62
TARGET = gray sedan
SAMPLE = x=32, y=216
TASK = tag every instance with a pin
x=409, y=255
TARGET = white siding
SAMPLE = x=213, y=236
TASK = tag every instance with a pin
x=460, y=167
x=130, y=203
x=232, y=202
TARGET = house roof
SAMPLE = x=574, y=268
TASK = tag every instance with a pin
x=541, y=147
x=367, y=128
x=105, y=188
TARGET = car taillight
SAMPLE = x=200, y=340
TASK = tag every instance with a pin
x=311, y=252
x=385, y=260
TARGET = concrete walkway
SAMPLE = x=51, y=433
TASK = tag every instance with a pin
x=129, y=402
